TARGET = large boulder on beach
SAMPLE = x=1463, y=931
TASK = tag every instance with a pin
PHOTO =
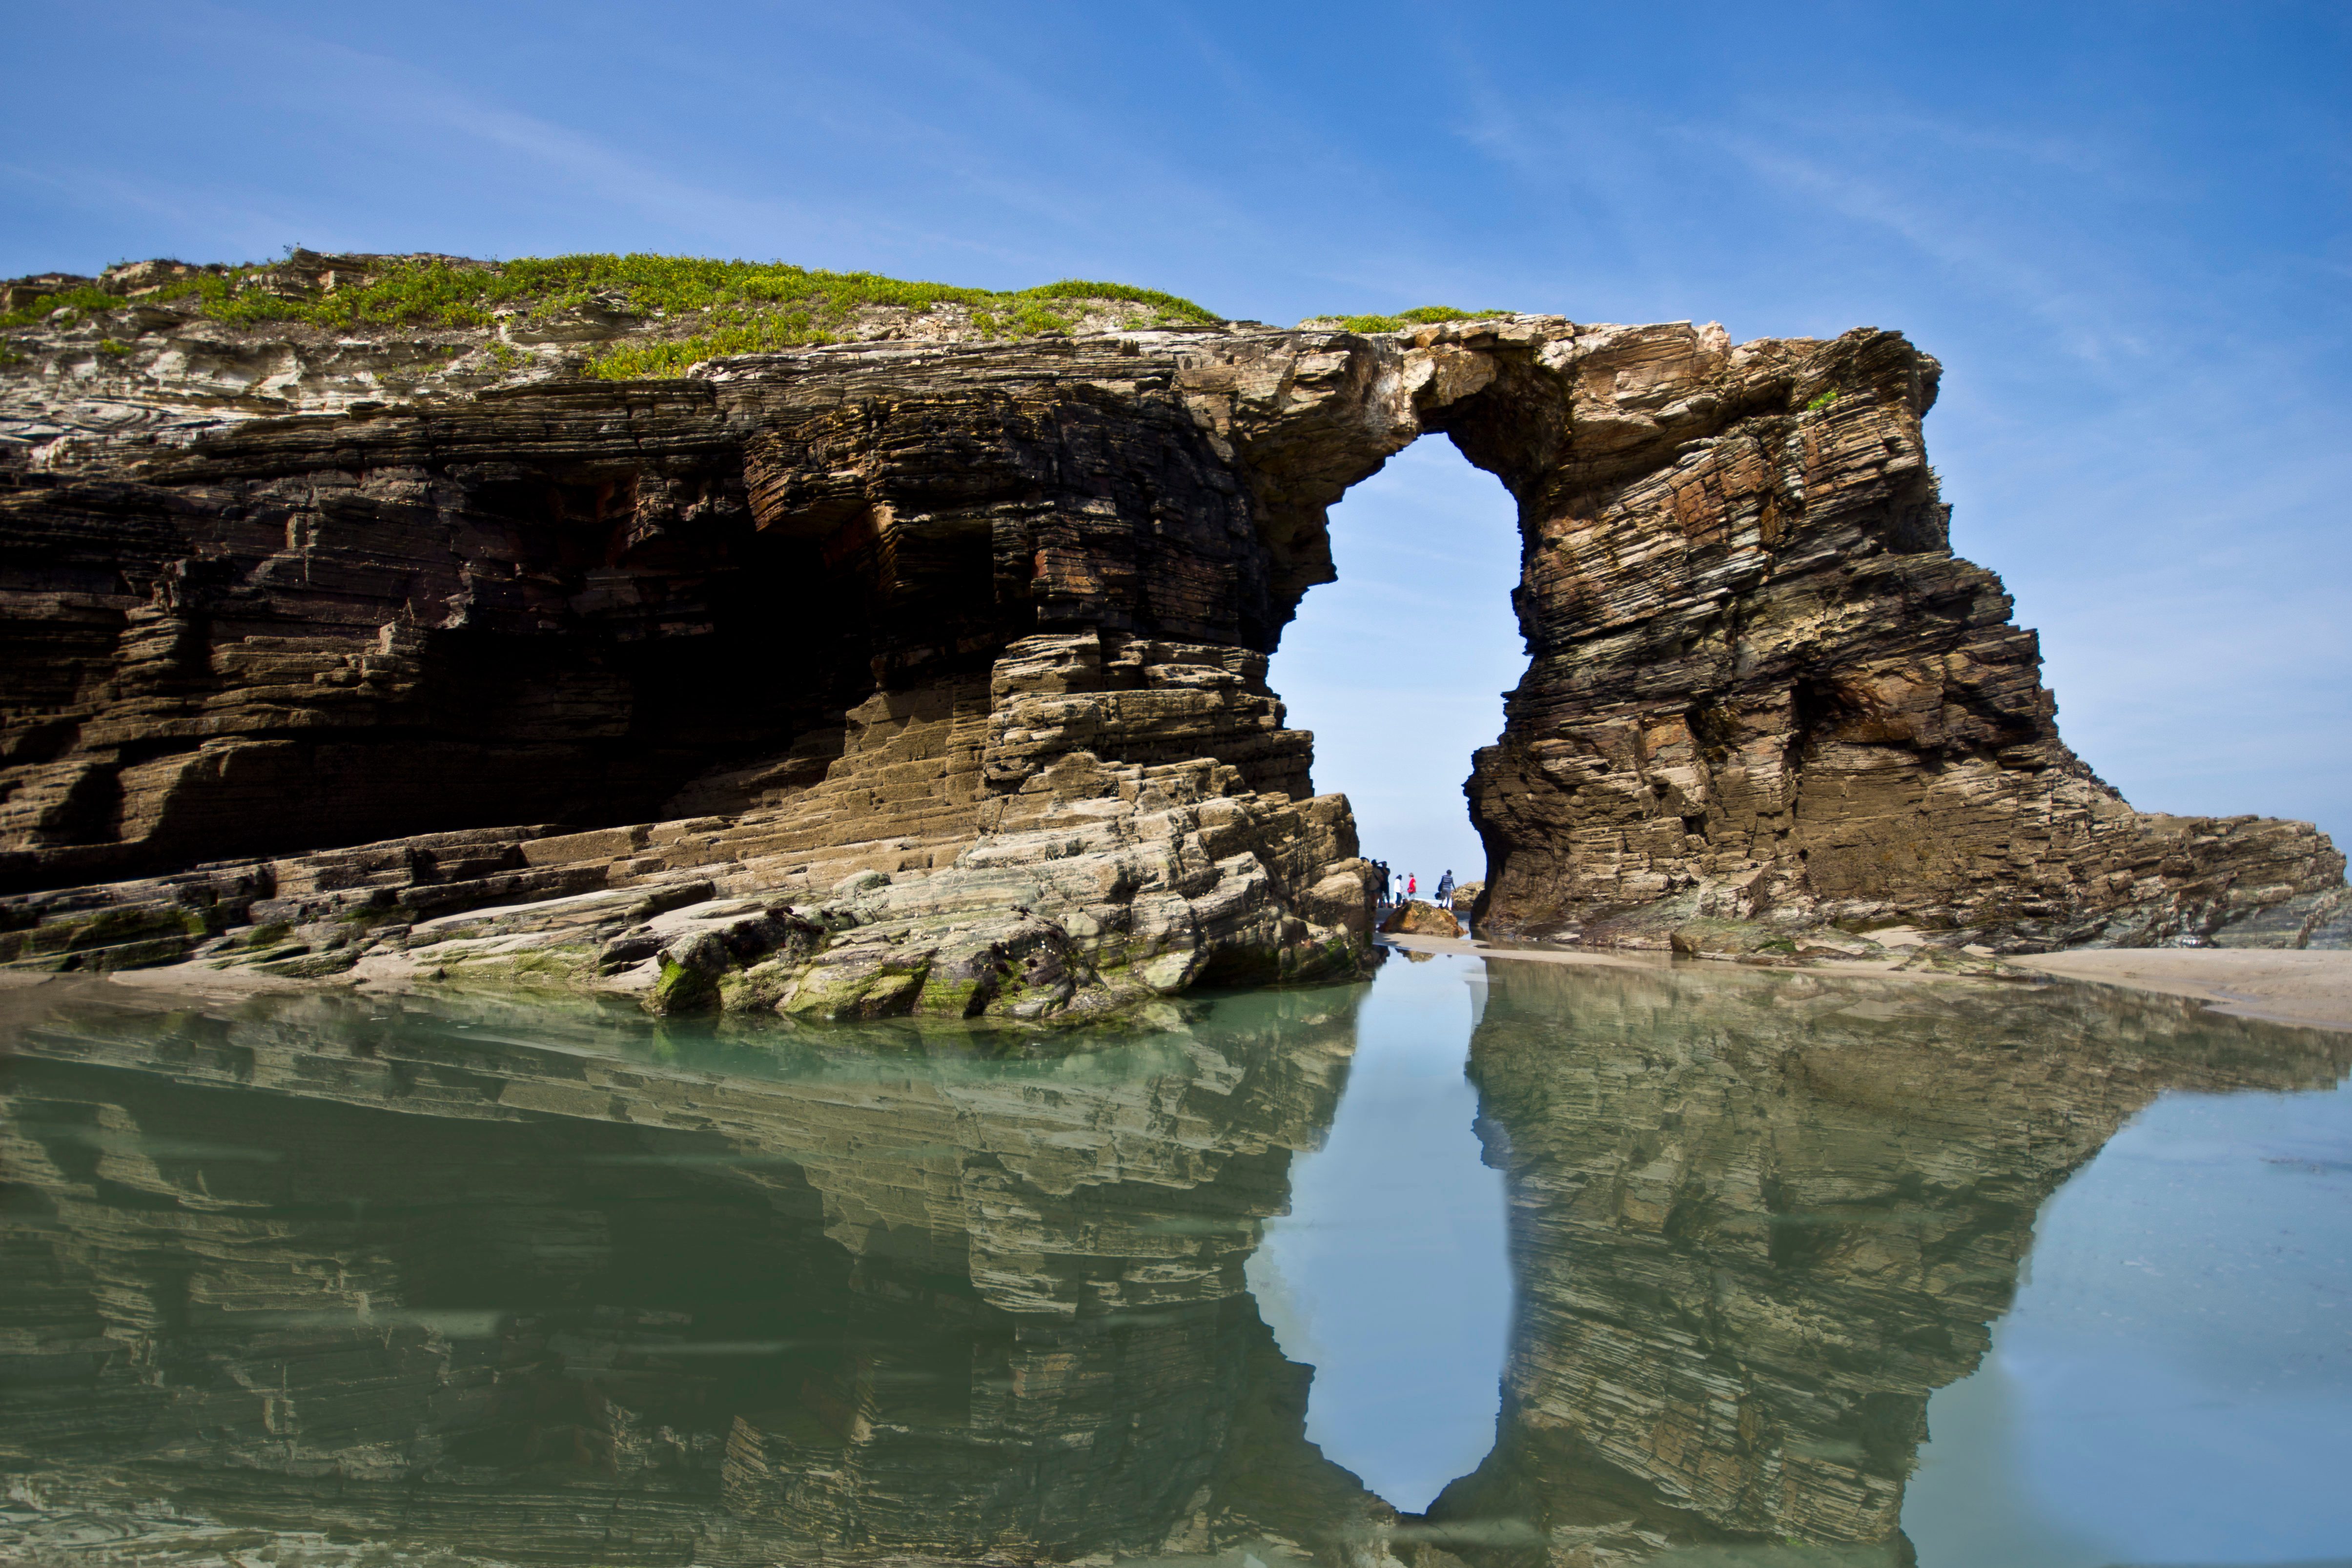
x=1418, y=917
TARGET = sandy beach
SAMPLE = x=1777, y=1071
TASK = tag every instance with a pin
x=2299, y=988
x=2314, y=989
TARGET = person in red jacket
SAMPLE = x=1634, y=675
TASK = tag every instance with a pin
x=1411, y=885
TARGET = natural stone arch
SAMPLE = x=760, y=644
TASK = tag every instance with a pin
x=1759, y=684
x=941, y=610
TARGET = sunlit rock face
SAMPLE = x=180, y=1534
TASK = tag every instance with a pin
x=1757, y=1220
x=886, y=608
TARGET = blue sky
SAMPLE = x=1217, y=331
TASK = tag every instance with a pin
x=2123, y=228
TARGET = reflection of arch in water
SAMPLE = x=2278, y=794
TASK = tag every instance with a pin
x=1757, y=1220
x=1390, y=1275
x=446, y=1285
x=515, y=1284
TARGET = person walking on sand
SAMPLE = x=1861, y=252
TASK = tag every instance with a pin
x=1446, y=890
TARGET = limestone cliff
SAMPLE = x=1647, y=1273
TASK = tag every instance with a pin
x=989, y=619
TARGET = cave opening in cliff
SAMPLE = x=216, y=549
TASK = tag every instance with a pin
x=1399, y=666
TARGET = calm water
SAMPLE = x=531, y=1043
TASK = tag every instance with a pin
x=1489, y=1264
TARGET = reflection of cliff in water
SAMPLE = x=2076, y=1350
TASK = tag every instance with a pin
x=525, y=1287
x=304, y=1268
x=1758, y=1218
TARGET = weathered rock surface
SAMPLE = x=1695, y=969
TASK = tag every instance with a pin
x=990, y=618
x=1418, y=917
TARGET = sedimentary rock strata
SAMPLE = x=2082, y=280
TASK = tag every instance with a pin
x=934, y=609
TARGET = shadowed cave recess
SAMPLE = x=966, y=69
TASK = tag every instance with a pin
x=918, y=675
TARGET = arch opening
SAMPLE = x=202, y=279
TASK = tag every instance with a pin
x=1392, y=1268
x=1399, y=666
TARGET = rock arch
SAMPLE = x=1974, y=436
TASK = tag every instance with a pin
x=970, y=616
x=1761, y=686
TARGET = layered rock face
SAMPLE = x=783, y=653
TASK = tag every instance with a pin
x=1761, y=685
x=976, y=624
x=888, y=607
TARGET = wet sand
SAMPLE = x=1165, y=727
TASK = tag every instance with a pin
x=2313, y=989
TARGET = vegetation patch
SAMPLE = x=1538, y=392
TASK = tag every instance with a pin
x=1426, y=316
x=705, y=308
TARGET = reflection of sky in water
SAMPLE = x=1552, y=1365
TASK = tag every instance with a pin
x=2172, y=1384
x=1390, y=1275
x=2172, y=1387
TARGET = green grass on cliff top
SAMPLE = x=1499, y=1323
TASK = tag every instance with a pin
x=715, y=308
x=734, y=306
x=1427, y=316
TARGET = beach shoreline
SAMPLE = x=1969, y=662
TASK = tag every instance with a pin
x=2309, y=990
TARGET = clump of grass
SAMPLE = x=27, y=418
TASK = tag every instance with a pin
x=744, y=306
x=741, y=332
x=806, y=308
x=1425, y=316
x=76, y=301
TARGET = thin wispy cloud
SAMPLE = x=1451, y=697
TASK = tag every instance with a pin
x=1988, y=260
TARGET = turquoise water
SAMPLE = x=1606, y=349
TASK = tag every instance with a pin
x=2174, y=1383
x=1508, y=1260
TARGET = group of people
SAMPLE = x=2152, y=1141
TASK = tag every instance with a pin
x=1392, y=893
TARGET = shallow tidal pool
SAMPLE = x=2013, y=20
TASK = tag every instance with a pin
x=1489, y=1261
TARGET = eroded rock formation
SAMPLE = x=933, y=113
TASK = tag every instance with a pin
x=957, y=613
